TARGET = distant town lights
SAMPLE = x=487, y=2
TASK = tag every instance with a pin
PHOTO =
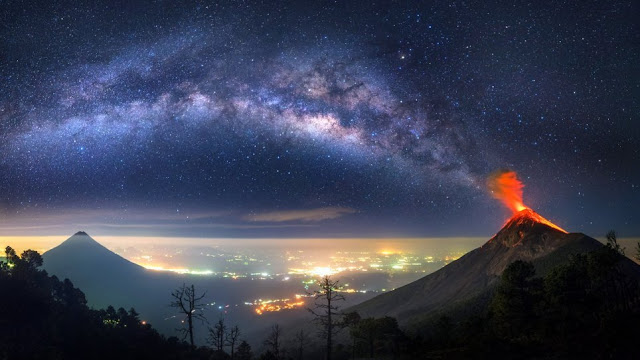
x=180, y=270
x=325, y=270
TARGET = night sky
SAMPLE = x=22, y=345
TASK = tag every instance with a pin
x=288, y=119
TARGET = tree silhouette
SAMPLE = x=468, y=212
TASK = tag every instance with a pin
x=612, y=242
x=187, y=303
x=376, y=333
x=273, y=340
x=326, y=311
x=31, y=258
x=244, y=351
x=443, y=330
x=9, y=254
x=231, y=338
x=301, y=340
x=514, y=302
x=351, y=320
x=217, y=335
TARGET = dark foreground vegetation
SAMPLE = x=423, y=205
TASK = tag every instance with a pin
x=587, y=307
x=42, y=317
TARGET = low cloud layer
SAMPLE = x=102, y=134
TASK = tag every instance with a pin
x=318, y=214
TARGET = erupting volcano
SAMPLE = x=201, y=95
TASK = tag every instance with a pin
x=505, y=186
x=469, y=281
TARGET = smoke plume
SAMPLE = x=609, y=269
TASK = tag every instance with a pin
x=505, y=186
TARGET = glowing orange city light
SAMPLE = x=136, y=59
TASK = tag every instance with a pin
x=278, y=305
x=388, y=252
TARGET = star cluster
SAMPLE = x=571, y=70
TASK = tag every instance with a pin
x=378, y=119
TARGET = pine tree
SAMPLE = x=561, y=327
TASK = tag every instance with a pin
x=244, y=351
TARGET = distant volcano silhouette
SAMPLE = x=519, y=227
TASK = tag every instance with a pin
x=105, y=277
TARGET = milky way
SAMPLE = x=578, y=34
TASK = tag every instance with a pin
x=378, y=119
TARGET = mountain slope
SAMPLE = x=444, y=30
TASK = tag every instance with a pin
x=526, y=236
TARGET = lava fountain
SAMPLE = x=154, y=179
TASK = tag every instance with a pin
x=505, y=186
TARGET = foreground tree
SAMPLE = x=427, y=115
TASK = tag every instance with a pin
x=371, y=334
x=326, y=310
x=217, y=335
x=612, y=242
x=244, y=351
x=273, y=341
x=188, y=303
x=231, y=339
x=32, y=258
x=513, y=305
x=301, y=340
x=351, y=321
x=10, y=255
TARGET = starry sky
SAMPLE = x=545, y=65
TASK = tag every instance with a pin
x=315, y=119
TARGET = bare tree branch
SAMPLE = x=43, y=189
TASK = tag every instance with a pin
x=187, y=303
x=326, y=311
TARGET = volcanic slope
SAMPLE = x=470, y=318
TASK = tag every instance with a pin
x=105, y=277
x=526, y=236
